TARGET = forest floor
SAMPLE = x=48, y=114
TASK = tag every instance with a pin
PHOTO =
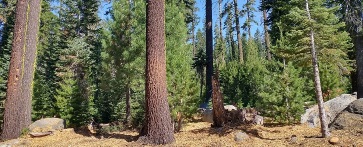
x=201, y=134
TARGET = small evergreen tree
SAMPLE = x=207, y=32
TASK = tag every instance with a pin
x=283, y=94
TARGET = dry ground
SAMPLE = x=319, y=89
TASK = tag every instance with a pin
x=200, y=134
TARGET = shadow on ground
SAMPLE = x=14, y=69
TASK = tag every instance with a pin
x=116, y=135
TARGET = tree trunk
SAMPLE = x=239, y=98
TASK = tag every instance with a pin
x=220, y=18
x=30, y=55
x=158, y=128
x=319, y=95
x=209, y=51
x=193, y=35
x=357, y=40
x=248, y=20
x=17, y=114
x=267, y=35
x=128, y=105
x=218, y=108
x=233, y=46
x=238, y=28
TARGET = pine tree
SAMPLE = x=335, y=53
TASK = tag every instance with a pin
x=283, y=94
x=45, y=81
x=265, y=27
x=209, y=51
x=332, y=43
x=80, y=27
x=199, y=60
x=158, y=128
x=239, y=40
x=351, y=14
x=181, y=81
x=17, y=114
x=74, y=98
x=248, y=11
x=231, y=47
x=126, y=53
x=220, y=49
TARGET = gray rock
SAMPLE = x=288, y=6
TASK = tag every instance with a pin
x=47, y=124
x=230, y=107
x=332, y=108
x=10, y=143
x=356, y=107
x=347, y=120
x=207, y=115
x=240, y=136
x=15, y=142
x=258, y=120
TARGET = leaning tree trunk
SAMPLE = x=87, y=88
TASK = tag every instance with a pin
x=238, y=29
x=267, y=35
x=17, y=114
x=209, y=50
x=319, y=95
x=158, y=127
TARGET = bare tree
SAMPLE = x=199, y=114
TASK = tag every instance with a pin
x=319, y=95
x=158, y=127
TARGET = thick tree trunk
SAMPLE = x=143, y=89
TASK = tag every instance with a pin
x=17, y=115
x=267, y=35
x=30, y=55
x=158, y=128
x=319, y=95
x=238, y=29
x=209, y=50
x=357, y=40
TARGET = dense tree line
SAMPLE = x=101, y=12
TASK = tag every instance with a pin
x=92, y=69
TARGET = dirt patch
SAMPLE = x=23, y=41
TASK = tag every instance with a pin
x=201, y=134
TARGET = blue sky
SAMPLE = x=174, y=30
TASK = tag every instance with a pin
x=201, y=13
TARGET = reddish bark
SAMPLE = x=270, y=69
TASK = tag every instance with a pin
x=17, y=113
x=158, y=127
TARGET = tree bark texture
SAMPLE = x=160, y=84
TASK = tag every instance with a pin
x=209, y=50
x=357, y=40
x=17, y=115
x=238, y=29
x=319, y=95
x=218, y=108
x=267, y=35
x=158, y=127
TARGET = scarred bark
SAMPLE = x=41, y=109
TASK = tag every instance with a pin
x=17, y=114
x=218, y=108
x=158, y=127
